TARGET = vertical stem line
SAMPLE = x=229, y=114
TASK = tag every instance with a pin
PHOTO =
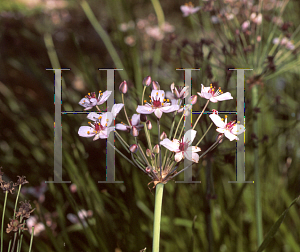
x=157, y=216
x=3, y=214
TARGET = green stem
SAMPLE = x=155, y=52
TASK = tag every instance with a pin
x=157, y=216
x=3, y=214
x=17, y=198
x=31, y=239
x=160, y=161
x=200, y=114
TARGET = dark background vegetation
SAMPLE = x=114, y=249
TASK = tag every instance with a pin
x=49, y=34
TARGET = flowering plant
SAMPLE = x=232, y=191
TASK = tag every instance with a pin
x=159, y=168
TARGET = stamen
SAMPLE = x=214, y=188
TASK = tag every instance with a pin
x=88, y=132
x=145, y=101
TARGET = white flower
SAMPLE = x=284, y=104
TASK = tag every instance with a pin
x=38, y=226
x=90, y=100
x=230, y=129
x=189, y=9
x=183, y=148
x=158, y=104
x=134, y=121
x=100, y=128
x=177, y=92
x=212, y=95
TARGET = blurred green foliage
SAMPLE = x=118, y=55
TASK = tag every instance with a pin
x=34, y=37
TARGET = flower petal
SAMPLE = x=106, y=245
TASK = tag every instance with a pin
x=168, y=109
x=238, y=129
x=86, y=131
x=178, y=156
x=94, y=116
x=189, y=136
x=121, y=126
x=170, y=145
x=146, y=109
x=224, y=97
x=230, y=136
x=217, y=121
x=135, y=119
x=104, y=97
x=116, y=109
x=158, y=112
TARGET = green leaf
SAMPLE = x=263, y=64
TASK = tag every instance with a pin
x=275, y=228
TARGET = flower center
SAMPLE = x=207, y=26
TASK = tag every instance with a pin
x=156, y=103
x=213, y=92
x=230, y=125
x=98, y=127
x=183, y=146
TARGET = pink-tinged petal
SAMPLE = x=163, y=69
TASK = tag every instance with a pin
x=221, y=130
x=106, y=119
x=205, y=95
x=168, y=109
x=195, y=157
x=146, y=109
x=204, y=89
x=217, y=121
x=96, y=137
x=135, y=119
x=170, y=145
x=230, y=136
x=104, y=97
x=120, y=126
x=189, y=136
x=158, y=113
x=109, y=119
x=84, y=102
x=184, y=92
x=93, y=116
x=172, y=87
x=238, y=129
x=224, y=97
x=83, y=131
x=213, y=99
x=178, y=156
x=195, y=149
x=116, y=109
x=176, y=92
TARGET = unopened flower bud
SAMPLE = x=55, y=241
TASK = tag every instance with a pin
x=156, y=149
x=149, y=125
x=219, y=137
x=147, y=81
x=143, y=118
x=155, y=85
x=133, y=148
x=163, y=136
x=148, y=169
x=123, y=87
x=148, y=153
x=193, y=99
x=135, y=132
